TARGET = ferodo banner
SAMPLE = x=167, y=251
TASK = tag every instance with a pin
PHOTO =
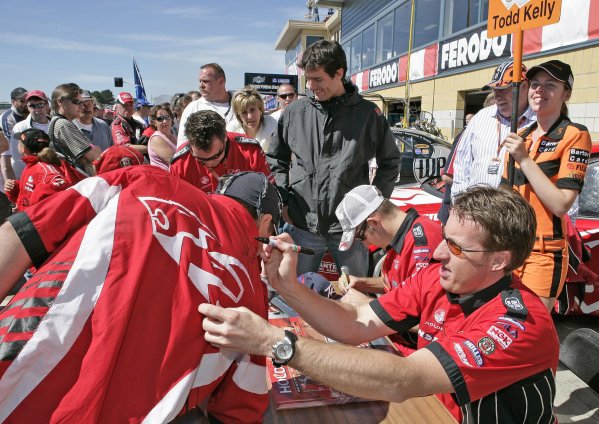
x=507, y=16
x=471, y=48
x=385, y=74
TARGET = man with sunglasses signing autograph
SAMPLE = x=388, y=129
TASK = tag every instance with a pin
x=212, y=152
x=487, y=345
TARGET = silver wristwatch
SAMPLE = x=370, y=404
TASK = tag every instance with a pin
x=284, y=350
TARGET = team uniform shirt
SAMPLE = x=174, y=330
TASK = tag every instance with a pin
x=223, y=109
x=498, y=346
x=478, y=157
x=242, y=154
x=562, y=154
x=108, y=330
x=411, y=249
x=126, y=131
x=40, y=180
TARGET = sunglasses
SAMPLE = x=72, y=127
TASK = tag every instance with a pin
x=36, y=105
x=361, y=231
x=163, y=118
x=285, y=95
x=76, y=102
x=456, y=249
x=211, y=158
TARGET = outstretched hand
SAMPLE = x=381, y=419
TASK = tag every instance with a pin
x=238, y=329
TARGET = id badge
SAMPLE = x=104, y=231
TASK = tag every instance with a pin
x=493, y=168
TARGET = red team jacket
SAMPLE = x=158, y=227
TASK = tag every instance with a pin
x=40, y=180
x=108, y=330
x=243, y=154
x=498, y=346
x=411, y=249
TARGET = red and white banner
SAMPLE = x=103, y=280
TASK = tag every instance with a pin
x=579, y=23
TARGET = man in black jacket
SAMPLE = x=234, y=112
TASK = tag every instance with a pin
x=321, y=151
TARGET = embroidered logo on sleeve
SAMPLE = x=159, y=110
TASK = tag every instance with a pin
x=499, y=336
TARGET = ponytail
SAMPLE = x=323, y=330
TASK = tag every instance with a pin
x=49, y=155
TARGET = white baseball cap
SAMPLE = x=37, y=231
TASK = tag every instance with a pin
x=356, y=206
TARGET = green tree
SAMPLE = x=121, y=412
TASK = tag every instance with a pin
x=104, y=97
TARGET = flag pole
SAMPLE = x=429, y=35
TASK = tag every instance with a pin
x=518, y=41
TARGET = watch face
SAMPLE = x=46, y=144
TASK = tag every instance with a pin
x=284, y=351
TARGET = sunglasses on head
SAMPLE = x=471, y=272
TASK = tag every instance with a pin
x=163, y=118
x=285, y=95
x=456, y=249
x=36, y=105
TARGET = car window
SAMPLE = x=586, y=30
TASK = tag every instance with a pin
x=404, y=143
x=588, y=201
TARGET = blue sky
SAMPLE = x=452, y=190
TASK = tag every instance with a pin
x=47, y=43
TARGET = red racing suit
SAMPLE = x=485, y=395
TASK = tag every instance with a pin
x=126, y=131
x=498, y=346
x=40, y=180
x=411, y=249
x=242, y=154
x=108, y=331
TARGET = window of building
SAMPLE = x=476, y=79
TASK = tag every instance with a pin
x=311, y=39
x=462, y=14
x=368, y=47
x=401, y=29
x=356, y=54
x=384, y=38
x=426, y=22
x=291, y=54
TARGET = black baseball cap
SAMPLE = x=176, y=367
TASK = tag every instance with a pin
x=254, y=189
x=34, y=139
x=557, y=69
x=18, y=93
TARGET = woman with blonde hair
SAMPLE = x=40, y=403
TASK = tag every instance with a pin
x=248, y=108
x=45, y=172
x=551, y=160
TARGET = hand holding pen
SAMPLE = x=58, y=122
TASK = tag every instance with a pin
x=294, y=247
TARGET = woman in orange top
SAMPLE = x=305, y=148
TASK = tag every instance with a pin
x=551, y=159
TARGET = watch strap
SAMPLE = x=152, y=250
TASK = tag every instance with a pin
x=292, y=338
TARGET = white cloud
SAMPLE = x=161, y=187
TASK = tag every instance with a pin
x=60, y=44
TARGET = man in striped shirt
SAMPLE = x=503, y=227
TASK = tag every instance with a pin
x=479, y=156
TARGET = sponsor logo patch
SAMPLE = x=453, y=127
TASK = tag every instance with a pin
x=499, y=336
x=547, y=146
x=579, y=155
x=486, y=345
x=421, y=250
x=417, y=231
x=513, y=321
x=432, y=324
x=478, y=359
x=426, y=336
x=440, y=316
x=514, y=303
x=461, y=354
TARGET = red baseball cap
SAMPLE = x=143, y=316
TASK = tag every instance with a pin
x=116, y=157
x=36, y=93
x=124, y=97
